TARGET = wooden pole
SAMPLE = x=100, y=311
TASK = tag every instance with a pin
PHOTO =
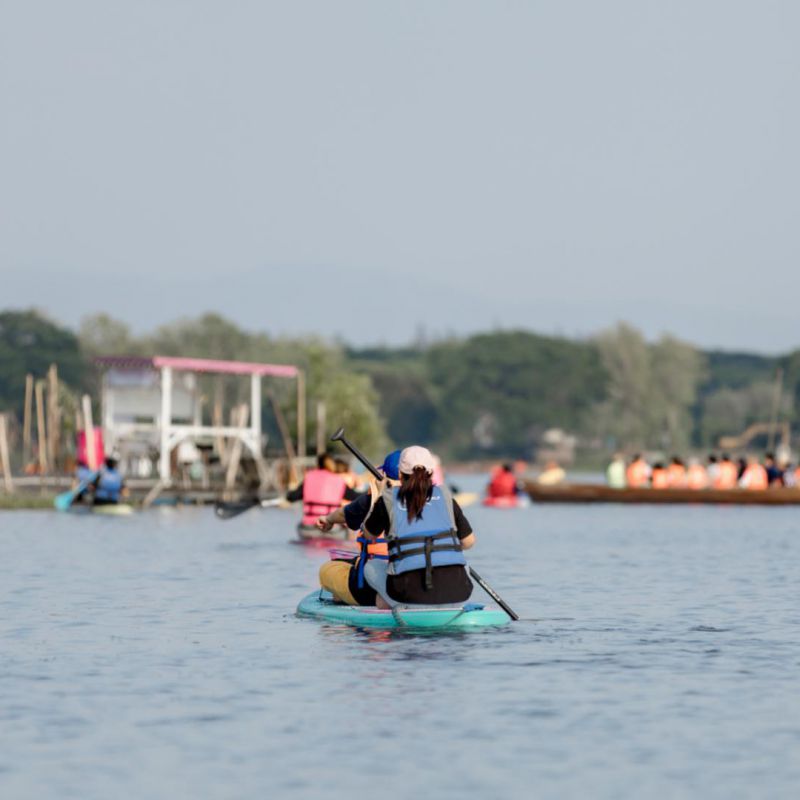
x=240, y=420
x=88, y=432
x=286, y=436
x=41, y=432
x=301, y=413
x=322, y=444
x=776, y=404
x=26, y=420
x=5, y=462
x=217, y=418
x=53, y=420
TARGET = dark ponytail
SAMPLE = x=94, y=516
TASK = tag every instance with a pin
x=415, y=491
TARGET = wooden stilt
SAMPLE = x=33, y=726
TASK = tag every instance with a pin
x=26, y=420
x=241, y=415
x=301, y=413
x=322, y=443
x=53, y=415
x=41, y=432
x=5, y=461
x=287, y=438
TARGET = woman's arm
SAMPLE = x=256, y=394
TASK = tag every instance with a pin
x=336, y=517
x=467, y=542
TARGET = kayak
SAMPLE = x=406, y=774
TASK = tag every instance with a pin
x=470, y=616
x=114, y=509
x=502, y=502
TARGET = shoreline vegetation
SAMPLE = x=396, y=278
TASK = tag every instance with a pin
x=491, y=396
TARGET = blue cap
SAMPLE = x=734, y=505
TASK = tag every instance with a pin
x=391, y=465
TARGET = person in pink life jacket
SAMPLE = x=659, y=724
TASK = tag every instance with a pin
x=321, y=491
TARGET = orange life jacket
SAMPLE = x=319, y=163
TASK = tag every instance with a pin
x=755, y=477
x=697, y=477
x=659, y=479
x=727, y=476
x=677, y=476
x=637, y=474
x=503, y=484
x=323, y=492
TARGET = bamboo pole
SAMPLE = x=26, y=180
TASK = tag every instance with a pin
x=88, y=432
x=285, y=436
x=776, y=405
x=240, y=415
x=321, y=424
x=301, y=413
x=53, y=416
x=41, y=432
x=26, y=420
x=5, y=461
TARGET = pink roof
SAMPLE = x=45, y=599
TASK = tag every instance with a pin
x=230, y=367
x=199, y=365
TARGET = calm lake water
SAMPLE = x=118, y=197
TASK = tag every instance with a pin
x=158, y=656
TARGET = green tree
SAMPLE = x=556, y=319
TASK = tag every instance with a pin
x=29, y=342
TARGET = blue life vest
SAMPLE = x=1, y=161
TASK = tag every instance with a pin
x=85, y=474
x=109, y=487
x=425, y=543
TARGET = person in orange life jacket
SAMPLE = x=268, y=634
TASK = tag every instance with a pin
x=427, y=533
x=774, y=472
x=503, y=482
x=344, y=578
x=712, y=470
x=677, y=473
x=658, y=477
x=696, y=475
x=638, y=473
x=754, y=476
x=321, y=491
x=109, y=486
x=728, y=475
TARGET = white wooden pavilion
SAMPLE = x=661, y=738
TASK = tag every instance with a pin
x=157, y=400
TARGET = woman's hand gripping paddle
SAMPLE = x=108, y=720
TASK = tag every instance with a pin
x=340, y=437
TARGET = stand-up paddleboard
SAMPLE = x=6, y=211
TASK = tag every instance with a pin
x=469, y=616
x=108, y=510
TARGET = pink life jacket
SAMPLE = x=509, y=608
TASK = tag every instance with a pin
x=323, y=492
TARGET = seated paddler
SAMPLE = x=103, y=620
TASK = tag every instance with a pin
x=344, y=577
x=425, y=532
x=321, y=491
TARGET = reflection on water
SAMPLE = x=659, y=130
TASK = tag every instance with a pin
x=159, y=656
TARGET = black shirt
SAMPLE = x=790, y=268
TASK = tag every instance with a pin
x=450, y=584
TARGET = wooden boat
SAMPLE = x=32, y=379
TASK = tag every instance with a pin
x=598, y=493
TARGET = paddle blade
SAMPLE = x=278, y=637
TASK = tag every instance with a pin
x=338, y=436
x=231, y=510
x=63, y=501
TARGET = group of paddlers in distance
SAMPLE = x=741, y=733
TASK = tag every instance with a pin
x=718, y=472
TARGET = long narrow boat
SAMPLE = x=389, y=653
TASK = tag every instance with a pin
x=598, y=493
x=469, y=616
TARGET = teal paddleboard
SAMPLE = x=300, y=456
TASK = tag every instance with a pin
x=470, y=616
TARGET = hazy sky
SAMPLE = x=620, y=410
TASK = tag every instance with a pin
x=367, y=168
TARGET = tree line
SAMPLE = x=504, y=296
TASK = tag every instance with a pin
x=489, y=395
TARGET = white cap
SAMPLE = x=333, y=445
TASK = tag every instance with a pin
x=417, y=456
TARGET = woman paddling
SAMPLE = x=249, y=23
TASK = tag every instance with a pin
x=425, y=530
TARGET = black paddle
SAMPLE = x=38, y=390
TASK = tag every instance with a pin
x=340, y=437
x=231, y=510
